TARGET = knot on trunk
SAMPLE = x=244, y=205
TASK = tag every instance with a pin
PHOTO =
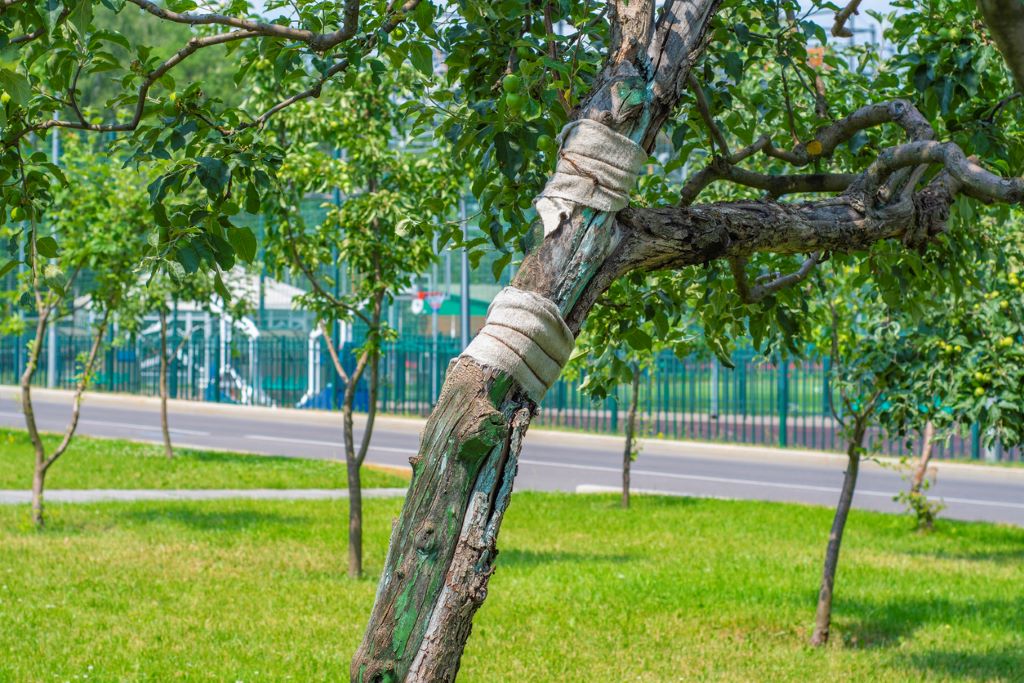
x=931, y=217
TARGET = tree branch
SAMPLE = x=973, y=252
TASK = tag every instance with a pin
x=839, y=29
x=1005, y=19
x=317, y=41
x=752, y=295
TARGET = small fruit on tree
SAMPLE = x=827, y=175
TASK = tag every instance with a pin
x=512, y=83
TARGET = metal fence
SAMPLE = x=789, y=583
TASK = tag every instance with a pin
x=758, y=402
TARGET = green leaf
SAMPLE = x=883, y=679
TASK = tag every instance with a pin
x=7, y=267
x=638, y=339
x=244, y=243
x=422, y=57
x=213, y=174
x=46, y=246
x=15, y=85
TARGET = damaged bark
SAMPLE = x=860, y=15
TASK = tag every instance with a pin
x=443, y=545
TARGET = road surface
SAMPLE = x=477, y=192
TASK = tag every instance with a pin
x=550, y=460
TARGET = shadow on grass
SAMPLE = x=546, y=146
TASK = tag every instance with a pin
x=884, y=625
x=195, y=517
x=1003, y=664
x=513, y=557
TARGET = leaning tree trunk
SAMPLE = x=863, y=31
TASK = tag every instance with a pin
x=165, y=427
x=823, y=618
x=443, y=546
x=627, y=454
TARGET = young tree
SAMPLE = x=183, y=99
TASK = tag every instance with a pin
x=154, y=292
x=866, y=345
x=97, y=221
x=636, y=320
x=399, y=193
x=887, y=140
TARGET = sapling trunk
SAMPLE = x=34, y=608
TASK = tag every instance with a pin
x=164, y=423
x=823, y=618
x=927, y=449
x=42, y=462
x=368, y=365
x=627, y=455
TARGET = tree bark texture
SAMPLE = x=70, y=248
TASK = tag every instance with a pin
x=627, y=454
x=823, y=618
x=443, y=546
x=165, y=427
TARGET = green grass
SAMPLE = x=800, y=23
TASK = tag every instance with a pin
x=115, y=464
x=673, y=589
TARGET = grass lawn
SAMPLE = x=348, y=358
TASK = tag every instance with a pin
x=113, y=464
x=673, y=589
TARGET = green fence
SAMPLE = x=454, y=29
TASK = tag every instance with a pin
x=758, y=402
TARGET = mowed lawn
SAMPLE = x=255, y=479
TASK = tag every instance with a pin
x=116, y=464
x=672, y=589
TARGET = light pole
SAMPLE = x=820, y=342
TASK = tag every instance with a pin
x=464, y=310
x=51, y=330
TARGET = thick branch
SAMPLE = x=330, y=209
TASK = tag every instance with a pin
x=1005, y=19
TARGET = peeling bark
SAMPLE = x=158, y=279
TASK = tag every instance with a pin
x=443, y=545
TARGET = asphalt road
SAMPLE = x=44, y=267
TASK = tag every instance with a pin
x=550, y=460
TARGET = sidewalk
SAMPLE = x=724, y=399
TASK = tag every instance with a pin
x=123, y=495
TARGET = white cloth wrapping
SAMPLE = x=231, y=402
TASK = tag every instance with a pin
x=597, y=167
x=525, y=337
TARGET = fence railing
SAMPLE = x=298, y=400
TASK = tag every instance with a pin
x=758, y=402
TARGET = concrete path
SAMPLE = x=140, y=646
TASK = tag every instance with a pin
x=551, y=460
x=106, y=495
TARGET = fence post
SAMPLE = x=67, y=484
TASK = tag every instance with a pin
x=826, y=386
x=783, y=400
x=975, y=442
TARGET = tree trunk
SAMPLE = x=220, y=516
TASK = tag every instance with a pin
x=27, y=409
x=443, y=546
x=927, y=448
x=164, y=424
x=38, y=481
x=627, y=455
x=823, y=618
x=355, y=520
x=43, y=463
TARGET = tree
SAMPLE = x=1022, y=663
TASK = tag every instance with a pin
x=895, y=145
x=97, y=223
x=636, y=320
x=399, y=193
x=152, y=293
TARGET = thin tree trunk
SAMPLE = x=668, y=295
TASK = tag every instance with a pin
x=927, y=448
x=27, y=409
x=164, y=423
x=443, y=546
x=823, y=618
x=355, y=520
x=627, y=455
